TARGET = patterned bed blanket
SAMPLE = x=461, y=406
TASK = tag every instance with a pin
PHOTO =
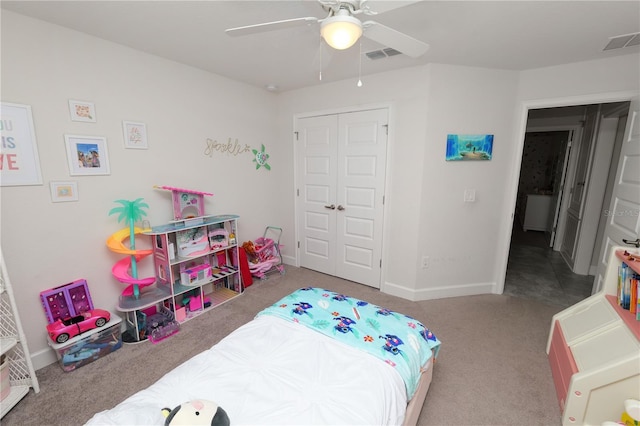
x=397, y=339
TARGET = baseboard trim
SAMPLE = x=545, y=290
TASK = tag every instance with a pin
x=43, y=358
x=441, y=292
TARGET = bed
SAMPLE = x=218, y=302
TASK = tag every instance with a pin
x=313, y=357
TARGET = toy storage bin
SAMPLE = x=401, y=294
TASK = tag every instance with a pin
x=90, y=346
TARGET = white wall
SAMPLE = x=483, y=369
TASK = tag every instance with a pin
x=47, y=244
x=458, y=237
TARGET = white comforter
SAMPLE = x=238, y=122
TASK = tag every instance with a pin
x=274, y=372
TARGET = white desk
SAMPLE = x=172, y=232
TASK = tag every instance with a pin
x=536, y=216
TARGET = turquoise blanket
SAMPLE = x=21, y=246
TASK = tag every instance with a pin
x=397, y=339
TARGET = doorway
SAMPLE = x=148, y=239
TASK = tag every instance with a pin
x=341, y=169
x=535, y=267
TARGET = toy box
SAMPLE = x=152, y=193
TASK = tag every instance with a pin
x=88, y=347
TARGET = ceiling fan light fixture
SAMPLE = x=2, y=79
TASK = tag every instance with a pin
x=341, y=31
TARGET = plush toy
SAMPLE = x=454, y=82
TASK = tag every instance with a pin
x=249, y=247
x=196, y=412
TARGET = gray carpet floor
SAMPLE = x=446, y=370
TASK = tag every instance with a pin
x=492, y=368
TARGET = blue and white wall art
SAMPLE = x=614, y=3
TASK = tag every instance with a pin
x=469, y=147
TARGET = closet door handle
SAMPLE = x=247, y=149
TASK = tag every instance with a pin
x=332, y=207
x=340, y=207
x=631, y=243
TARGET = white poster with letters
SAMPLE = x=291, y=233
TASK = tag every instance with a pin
x=19, y=162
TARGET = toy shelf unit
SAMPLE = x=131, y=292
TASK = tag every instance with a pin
x=594, y=351
x=17, y=372
x=197, y=268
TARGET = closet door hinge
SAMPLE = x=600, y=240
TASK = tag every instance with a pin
x=296, y=133
x=297, y=192
x=298, y=244
x=381, y=263
x=386, y=128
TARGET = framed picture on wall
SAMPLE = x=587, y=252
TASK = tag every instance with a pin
x=469, y=147
x=64, y=191
x=20, y=164
x=82, y=111
x=135, y=135
x=87, y=155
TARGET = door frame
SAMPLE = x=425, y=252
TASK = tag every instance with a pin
x=569, y=169
x=521, y=126
x=387, y=181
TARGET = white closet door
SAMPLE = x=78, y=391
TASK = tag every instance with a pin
x=341, y=174
x=316, y=201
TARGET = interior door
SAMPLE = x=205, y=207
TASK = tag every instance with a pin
x=560, y=173
x=579, y=182
x=341, y=173
x=623, y=214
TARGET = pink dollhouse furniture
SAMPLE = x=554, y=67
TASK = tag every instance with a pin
x=67, y=300
x=186, y=203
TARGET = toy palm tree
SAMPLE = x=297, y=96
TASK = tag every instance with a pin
x=131, y=212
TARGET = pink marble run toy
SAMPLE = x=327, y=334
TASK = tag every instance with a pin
x=126, y=269
x=187, y=203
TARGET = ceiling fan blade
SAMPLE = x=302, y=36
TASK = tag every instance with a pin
x=373, y=7
x=395, y=39
x=271, y=26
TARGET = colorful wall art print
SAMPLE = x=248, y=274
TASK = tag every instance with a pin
x=469, y=147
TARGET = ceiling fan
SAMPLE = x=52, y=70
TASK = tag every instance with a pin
x=341, y=28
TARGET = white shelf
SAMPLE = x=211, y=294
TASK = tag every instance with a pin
x=15, y=395
x=22, y=375
x=7, y=343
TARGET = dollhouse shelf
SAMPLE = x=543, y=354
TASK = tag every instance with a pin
x=196, y=267
x=190, y=224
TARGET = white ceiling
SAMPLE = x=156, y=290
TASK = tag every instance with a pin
x=513, y=35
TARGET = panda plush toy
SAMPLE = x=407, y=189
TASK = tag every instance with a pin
x=196, y=412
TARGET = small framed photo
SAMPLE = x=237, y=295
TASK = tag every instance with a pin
x=62, y=192
x=82, y=111
x=135, y=135
x=87, y=155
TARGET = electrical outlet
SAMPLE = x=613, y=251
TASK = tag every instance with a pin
x=469, y=195
x=425, y=262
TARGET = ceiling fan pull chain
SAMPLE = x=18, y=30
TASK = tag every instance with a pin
x=320, y=75
x=360, y=65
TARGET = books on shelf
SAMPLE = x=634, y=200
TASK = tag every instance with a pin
x=629, y=289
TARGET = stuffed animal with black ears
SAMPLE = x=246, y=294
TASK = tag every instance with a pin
x=196, y=412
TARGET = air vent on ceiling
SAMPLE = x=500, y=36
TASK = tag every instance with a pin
x=626, y=40
x=382, y=53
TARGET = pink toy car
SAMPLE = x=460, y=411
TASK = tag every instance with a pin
x=63, y=329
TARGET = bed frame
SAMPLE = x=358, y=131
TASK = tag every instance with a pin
x=414, y=407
